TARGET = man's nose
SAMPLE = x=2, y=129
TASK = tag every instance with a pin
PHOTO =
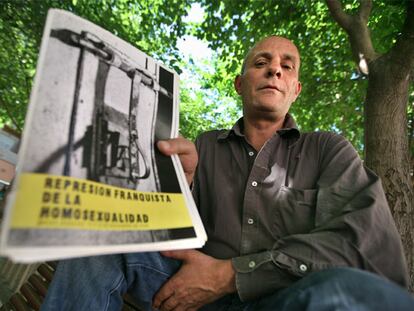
x=274, y=70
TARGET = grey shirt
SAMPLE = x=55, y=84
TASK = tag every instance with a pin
x=303, y=203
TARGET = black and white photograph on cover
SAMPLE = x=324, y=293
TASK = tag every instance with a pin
x=110, y=132
x=104, y=112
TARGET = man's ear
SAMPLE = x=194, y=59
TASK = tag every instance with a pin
x=297, y=91
x=237, y=84
x=298, y=88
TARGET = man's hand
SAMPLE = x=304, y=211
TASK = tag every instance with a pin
x=186, y=151
x=200, y=280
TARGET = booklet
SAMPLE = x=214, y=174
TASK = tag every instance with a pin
x=89, y=177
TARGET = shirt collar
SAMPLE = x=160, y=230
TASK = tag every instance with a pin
x=289, y=130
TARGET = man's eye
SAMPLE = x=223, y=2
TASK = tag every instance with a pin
x=260, y=63
x=287, y=67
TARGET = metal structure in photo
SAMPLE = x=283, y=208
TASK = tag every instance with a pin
x=112, y=144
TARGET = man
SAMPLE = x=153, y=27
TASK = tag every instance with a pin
x=285, y=212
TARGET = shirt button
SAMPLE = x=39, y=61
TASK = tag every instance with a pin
x=303, y=268
x=252, y=264
x=250, y=221
x=251, y=153
x=254, y=184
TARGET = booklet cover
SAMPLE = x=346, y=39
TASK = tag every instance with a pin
x=90, y=179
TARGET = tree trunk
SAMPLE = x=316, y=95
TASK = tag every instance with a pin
x=386, y=144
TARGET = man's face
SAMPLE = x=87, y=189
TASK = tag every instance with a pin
x=269, y=83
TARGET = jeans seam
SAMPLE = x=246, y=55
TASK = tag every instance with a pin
x=112, y=291
x=149, y=268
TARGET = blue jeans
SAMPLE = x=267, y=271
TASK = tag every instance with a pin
x=98, y=283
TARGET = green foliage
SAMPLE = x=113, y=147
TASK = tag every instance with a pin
x=204, y=105
x=19, y=41
x=333, y=90
x=151, y=25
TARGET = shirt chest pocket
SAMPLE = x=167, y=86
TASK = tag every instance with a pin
x=293, y=211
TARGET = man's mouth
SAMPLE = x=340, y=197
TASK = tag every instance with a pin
x=270, y=87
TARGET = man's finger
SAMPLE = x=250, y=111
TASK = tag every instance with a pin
x=180, y=255
x=178, y=146
x=163, y=294
x=164, y=147
x=169, y=304
x=186, y=151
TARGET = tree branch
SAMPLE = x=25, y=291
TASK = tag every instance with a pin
x=344, y=20
x=365, y=10
x=356, y=27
